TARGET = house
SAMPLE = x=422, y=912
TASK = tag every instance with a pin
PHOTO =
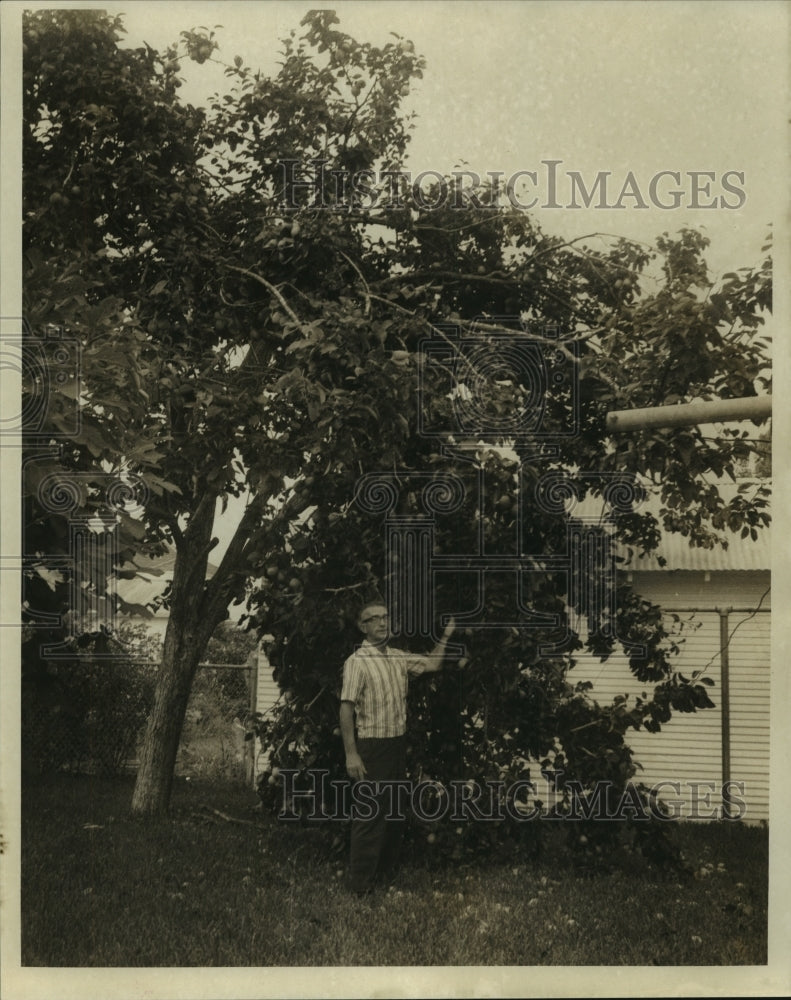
x=722, y=596
x=265, y=694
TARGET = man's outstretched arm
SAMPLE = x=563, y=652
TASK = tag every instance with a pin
x=435, y=657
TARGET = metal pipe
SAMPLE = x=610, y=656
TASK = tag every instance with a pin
x=687, y=414
x=715, y=610
x=725, y=713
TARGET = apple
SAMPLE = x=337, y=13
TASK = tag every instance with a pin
x=432, y=838
x=336, y=731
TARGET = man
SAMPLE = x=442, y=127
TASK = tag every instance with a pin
x=375, y=680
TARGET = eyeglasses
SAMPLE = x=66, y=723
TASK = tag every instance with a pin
x=374, y=618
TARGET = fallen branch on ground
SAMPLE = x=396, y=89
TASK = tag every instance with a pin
x=226, y=817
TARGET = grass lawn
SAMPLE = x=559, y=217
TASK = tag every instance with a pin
x=100, y=888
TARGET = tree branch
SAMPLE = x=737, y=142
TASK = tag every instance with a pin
x=362, y=279
x=579, y=239
x=273, y=291
x=314, y=700
x=218, y=587
x=340, y=590
x=454, y=276
x=225, y=816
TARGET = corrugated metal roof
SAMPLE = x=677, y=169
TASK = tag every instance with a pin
x=741, y=554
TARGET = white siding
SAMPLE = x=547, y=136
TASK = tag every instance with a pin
x=267, y=693
x=688, y=750
x=749, y=656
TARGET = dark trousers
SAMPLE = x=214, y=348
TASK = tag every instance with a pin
x=376, y=842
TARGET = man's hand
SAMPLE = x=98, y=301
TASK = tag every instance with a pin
x=450, y=628
x=433, y=661
x=355, y=767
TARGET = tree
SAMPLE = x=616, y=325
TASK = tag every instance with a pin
x=138, y=245
x=501, y=719
x=248, y=326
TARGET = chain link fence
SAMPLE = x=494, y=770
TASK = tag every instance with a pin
x=214, y=741
x=90, y=718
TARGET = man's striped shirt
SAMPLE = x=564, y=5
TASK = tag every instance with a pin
x=376, y=681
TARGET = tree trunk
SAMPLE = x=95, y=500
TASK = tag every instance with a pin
x=196, y=609
x=163, y=733
x=192, y=620
x=188, y=632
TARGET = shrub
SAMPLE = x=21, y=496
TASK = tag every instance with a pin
x=87, y=713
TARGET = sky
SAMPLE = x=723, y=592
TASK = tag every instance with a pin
x=610, y=86
x=601, y=87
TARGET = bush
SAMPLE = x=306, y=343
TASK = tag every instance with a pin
x=306, y=738
x=86, y=714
